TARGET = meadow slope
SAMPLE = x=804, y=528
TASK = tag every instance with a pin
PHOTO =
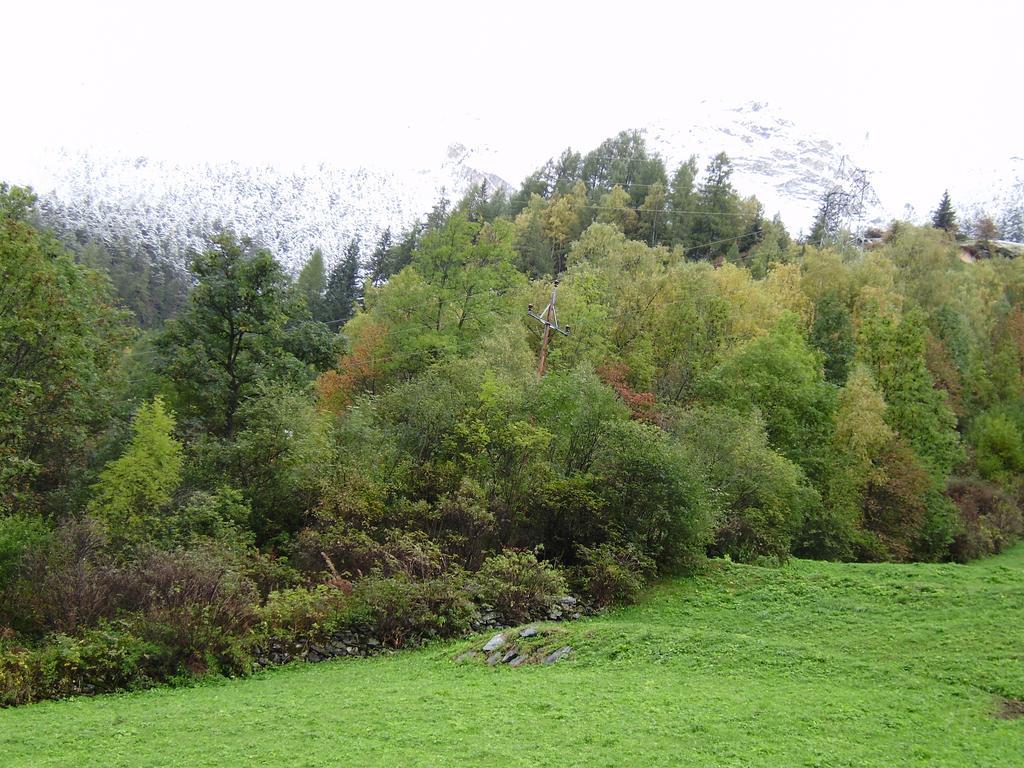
x=813, y=664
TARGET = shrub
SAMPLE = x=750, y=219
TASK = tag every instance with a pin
x=989, y=519
x=197, y=604
x=399, y=609
x=761, y=496
x=651, y=495
x=614, y=574
x=519, y=586
x=304, y=612
x=353, y=552
x=103, y=659
x=67, y=582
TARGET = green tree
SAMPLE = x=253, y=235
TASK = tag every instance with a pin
x=832, y=334
x=894, y=350
x=243, y=325
x=615, y=210
x=682, y=202
x=379, y=269
x=134, y=490
x=343, y=287
x=60, y=340
x=944, y=217
x=312, y=283
x=718, y=222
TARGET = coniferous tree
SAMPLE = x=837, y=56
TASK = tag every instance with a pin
x=378, y=270
x=134, y=489
x=944, y=216
x=682, y=201
x=718, y=221
x=343, y=288
x=312, y=283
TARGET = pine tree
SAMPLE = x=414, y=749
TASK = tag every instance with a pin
x=343, y=288
x=378, y=270
x=312, y=283
x=944, y=216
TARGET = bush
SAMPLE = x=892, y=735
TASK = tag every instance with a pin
x=989, y=519
x=19, y=535
x=652, y=495
x=66, y=583
x=519, y=586
x=310, y=613
x=352, y=552
x=399, y=610
x=761, y=497
x=103, y=659
x=197, y=604
x=614, y=574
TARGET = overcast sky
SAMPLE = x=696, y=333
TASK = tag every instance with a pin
x=289, y=82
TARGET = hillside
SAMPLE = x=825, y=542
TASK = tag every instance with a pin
x=169, y=206
x=811, y=664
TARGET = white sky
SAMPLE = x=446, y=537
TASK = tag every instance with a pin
x=294, y=82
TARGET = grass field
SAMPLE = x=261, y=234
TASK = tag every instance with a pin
x=814, y=664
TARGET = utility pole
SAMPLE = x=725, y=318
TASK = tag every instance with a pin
x=550, y=321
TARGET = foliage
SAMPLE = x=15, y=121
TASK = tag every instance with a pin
x=400, y=610
x=614, y=574
x=651, y=495
x=304, y=612
x=242, y=327
x=832, y=334
x=990, y=520
x=895, y=353
x=760, y=497
x=60, y=339
x=519, y=586
x=134, y=489
x=781, y=377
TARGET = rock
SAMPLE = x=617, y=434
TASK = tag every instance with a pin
x=517, y=661
x=465, y=656
x=551, y=658
x=372, y=643
x=495, y=642
x=568, y=600
x=494, y=658
x=509, y=655
x=528, y=632
x=489, y=616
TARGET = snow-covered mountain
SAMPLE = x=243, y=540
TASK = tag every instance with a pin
x=171, y=205
x=786, y=166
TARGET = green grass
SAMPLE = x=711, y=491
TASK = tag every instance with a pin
x=814, y=664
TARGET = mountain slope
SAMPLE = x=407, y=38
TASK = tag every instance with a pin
x=169, y=206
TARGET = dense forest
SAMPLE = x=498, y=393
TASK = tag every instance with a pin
x=195, y=465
